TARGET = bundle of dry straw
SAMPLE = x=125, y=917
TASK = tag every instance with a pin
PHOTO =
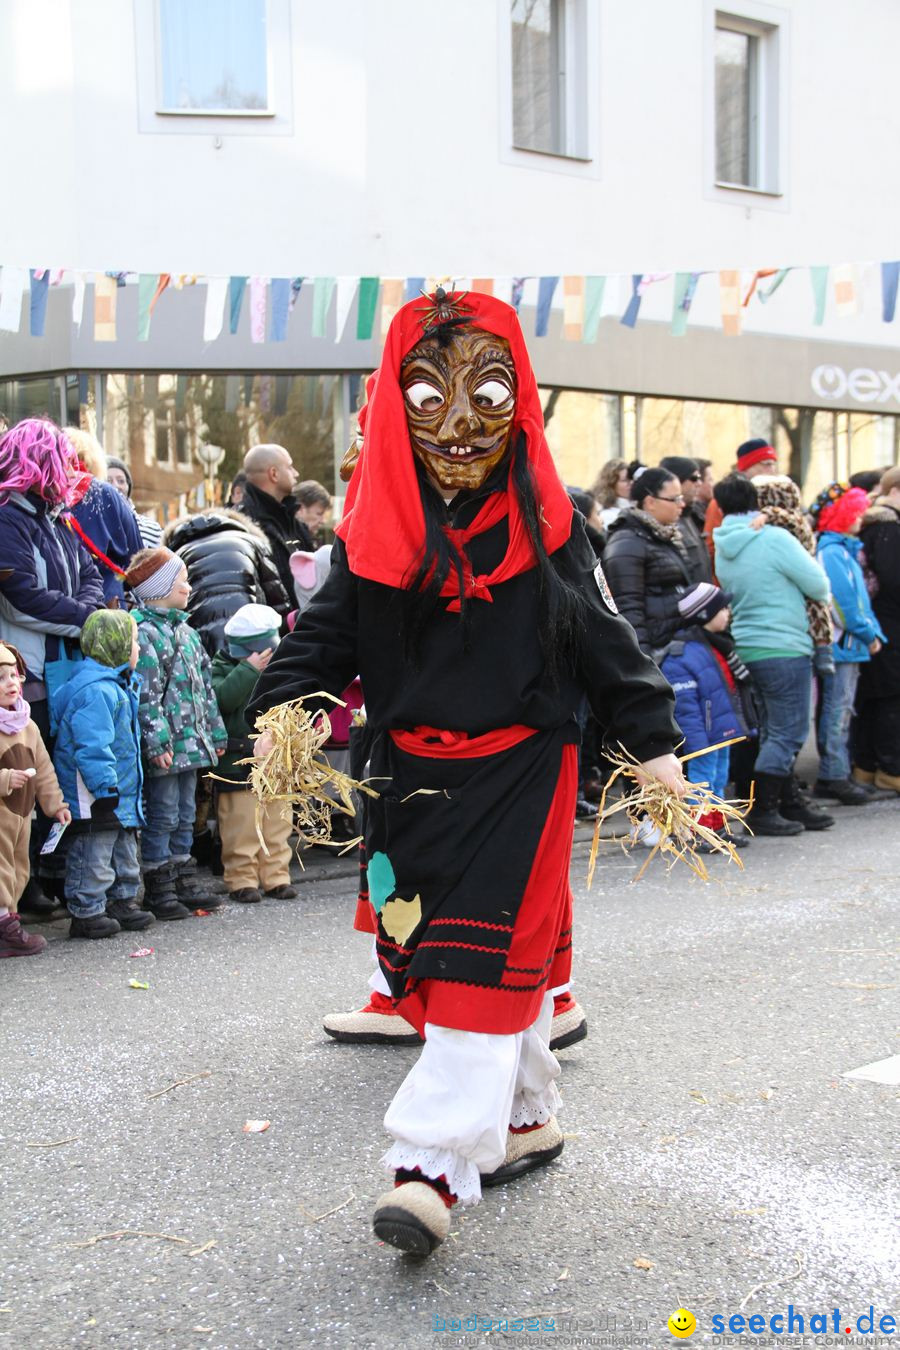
x=676, y=818
x=296, y=770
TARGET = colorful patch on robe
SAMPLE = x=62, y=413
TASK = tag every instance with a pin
x=606, y=594
x=382, y=881
x=400, y=918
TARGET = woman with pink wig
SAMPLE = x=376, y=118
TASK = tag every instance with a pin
x=837, y=513
x=48, y=582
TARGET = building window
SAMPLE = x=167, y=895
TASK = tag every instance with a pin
x=213, y=58
x=549, y=103
x=746, y=103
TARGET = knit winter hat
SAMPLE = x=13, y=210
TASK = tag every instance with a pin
x=11, y=656
x=155, y=574
x=703, y=603
x=753, y=452
x=119, y=464
x=252, y=628
x=107, y=637
x=682, y=467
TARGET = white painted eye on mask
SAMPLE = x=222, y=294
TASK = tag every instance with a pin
x=424, y=397
x=493, y=394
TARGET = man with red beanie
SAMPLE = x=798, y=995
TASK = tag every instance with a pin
x=465, y=595
x=754, y=457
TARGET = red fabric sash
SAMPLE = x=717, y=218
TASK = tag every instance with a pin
x=519, y=554
x=92, y=547
x=432, y=743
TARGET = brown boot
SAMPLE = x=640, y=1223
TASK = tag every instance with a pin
x=890, y=781
x=864, y=776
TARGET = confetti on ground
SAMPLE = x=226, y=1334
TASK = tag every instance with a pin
x=641, y=1263
x=256, y=1126
x=144, y=951
x=202, y=913
x=138, y=984
x=55, y=1143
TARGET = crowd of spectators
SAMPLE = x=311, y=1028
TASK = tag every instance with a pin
x=128, y=654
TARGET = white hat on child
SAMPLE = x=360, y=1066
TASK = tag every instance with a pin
x=252, y=621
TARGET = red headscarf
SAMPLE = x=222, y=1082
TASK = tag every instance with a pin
x=384, y=525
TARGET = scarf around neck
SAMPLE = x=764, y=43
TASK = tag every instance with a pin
x=15, y=719
x=670, y=533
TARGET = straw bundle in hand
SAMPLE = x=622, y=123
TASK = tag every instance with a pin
x=296, y=770
x=653, y=804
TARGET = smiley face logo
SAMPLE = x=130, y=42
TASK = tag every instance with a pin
x=682, y=1323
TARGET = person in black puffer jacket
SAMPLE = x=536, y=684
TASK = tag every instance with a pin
x=229, y=564
x=645, y=560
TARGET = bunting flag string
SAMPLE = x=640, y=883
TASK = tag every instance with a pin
x=583, y=300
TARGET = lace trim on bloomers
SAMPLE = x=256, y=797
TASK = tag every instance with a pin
x=461, y=1175
x=535, y=1108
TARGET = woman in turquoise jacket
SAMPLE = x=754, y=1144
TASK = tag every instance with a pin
x=837, y=513
x=770, y=576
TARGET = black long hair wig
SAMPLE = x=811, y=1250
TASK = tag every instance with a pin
x=560, y=607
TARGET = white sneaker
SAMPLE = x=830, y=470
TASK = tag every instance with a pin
x=647, y=834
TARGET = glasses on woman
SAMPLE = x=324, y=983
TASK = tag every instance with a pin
x=679, y=498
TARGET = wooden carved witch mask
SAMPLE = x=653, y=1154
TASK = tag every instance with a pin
x=459, y=388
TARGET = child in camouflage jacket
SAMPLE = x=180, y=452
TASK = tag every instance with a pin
x=182, y=730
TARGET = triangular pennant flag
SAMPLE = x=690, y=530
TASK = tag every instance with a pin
x=40, y=283
x=730, y=302
x=573, y=308
x=518, y=288
x=368, y=303
x=346, y=289
x=147, y=283
x=630, y=317
x=323, y=289
x=890, y=274
x=12, y=289
x=819, y=278
x=214, y=309
x=259, y=287
x=766, y=292
x=483, y=285
x=757, y=278
x=162, y=283
x=104, y=307
x=280, y=292
x=57, y=275
x=296, y=288
x=846, y=292
x=78, y=290
x=593, y=307
x=391, y=300
x=414, y=287
x=236, y=288
x=546, y=288
x=682, y=299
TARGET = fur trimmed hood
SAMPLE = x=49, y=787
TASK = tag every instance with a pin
x=210, y=521
x=881, y=512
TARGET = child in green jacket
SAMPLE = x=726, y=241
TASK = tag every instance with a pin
x=251, y=636
x=181, y=730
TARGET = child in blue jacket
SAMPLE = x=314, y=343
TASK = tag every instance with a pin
x=713, y=702
x=837, y=513
x=98, y=758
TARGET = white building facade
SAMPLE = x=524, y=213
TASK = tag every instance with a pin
x=471, y=139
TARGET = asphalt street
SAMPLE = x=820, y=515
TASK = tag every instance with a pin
x=715, y=1158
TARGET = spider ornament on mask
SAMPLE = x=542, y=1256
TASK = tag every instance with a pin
x=460, y=402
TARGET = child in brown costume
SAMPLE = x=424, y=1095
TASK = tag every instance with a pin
x=26, y=773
